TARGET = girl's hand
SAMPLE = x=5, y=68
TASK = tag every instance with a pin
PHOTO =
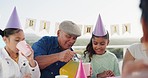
x=102, y=75
x=30, y=58
x=27, y=75
x=110, y=73
x=105, y=74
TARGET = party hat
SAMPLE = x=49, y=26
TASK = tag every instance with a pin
x=99, y=28
x=80, y=71
x=14, y=20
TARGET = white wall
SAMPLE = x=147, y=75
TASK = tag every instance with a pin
x=80, y=11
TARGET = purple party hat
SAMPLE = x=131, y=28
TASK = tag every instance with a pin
x=99, y=29
x=14, y=21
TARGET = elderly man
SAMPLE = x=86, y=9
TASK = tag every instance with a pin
x=53, y=52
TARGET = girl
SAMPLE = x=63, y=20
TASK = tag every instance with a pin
x=104, y=63
x=14, y=64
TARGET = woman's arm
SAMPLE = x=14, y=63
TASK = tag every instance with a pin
x=128, y=57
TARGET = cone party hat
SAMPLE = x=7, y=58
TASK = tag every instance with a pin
x=99, y=28
x=14, y=21
x=80, y=71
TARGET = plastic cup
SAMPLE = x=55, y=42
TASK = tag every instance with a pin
x=61, y=76
x=22, y=47
x=87, y=68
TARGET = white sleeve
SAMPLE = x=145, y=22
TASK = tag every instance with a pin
x=133, y=49
x=1, y=73
x=35, y=71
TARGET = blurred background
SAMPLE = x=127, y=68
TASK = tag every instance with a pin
x=42, y=17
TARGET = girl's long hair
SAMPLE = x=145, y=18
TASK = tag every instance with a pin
x=89, y=49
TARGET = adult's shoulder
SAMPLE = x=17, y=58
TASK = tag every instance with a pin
x=135, y=45
x=45, y=40
x=48, y=38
